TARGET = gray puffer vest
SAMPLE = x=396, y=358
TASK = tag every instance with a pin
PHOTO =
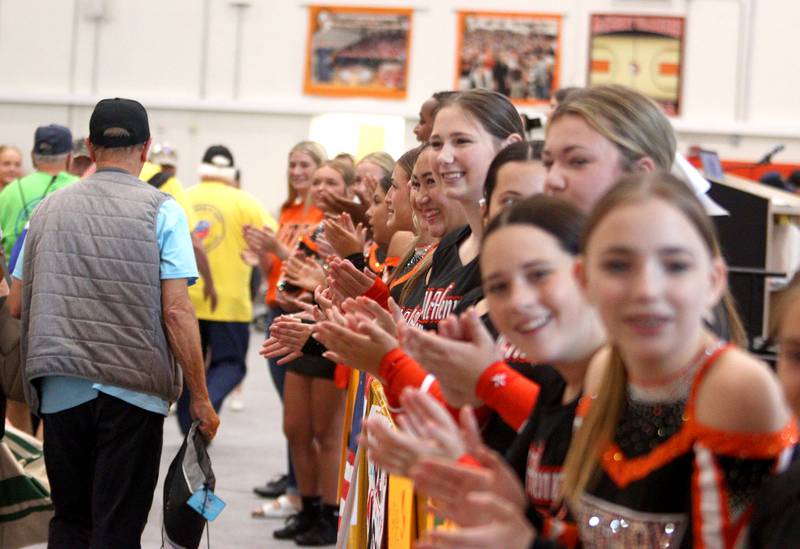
x=92, y=288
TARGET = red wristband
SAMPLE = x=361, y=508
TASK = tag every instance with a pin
x=507, y=392
x=493, y=377
x=379, y=292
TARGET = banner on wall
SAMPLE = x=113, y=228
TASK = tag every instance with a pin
x=516, y=54
x=358, y=51
x=641, y=52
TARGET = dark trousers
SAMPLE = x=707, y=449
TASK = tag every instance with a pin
x=226, y=342
x=102, y=461
x=278, y=374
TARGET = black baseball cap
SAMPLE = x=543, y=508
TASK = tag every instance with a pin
x=52, y=140
x=218, y=155
x=119, y=113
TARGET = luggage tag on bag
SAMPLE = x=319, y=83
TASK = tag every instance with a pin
x=206, y=503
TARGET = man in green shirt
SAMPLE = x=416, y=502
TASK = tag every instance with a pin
x=52, y=151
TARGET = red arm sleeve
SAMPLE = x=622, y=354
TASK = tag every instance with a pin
x=379, y=292
x=398, y=371
x=508, y=393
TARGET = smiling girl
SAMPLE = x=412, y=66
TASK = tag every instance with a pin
x=683, y=428
x=313, y=405
x=527, y=266
x=298, y=217
x=469, y=130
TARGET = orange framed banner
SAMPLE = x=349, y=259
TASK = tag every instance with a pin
x=639, y=51
x=358, y=52
x=516, y=54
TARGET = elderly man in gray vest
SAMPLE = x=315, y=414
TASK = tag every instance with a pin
x=106, y=319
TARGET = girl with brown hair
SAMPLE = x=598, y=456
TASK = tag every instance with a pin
x=683, y=428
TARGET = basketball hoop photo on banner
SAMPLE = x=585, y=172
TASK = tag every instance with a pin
x=641, y=52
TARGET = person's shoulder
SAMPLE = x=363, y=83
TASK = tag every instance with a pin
x=741, y=394
x=248, y=197
x=34, y=175
x=254, y=205
x=170, y=206
x=149, y=170
x=400, y=243
x=9, y=189
x=172, y=186
x=66, y=177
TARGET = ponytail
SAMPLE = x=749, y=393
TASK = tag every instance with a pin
x=596, y=431
x=736, y=331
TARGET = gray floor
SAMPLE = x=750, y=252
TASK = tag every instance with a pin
x=248, y=449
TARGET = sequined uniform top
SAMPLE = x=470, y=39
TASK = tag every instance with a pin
x=669, y=481
x=404, y=273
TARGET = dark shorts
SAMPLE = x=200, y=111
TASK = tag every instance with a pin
x=312, y=366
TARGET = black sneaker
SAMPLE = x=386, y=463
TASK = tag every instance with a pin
x=296, y=524
x=323, y=532
x=274, y=488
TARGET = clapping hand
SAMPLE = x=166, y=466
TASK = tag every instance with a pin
x=303, y=272
x=344, y=238
x=357, y=210
x=263, y=239
x=426, y=430
x=503, y=525
x=288, y=335
x=347, y=281
x=457, y=356
x=449, y=482
x=354, y=339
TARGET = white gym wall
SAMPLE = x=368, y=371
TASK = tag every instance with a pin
x=231, y=71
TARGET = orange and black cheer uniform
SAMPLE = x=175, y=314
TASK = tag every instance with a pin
x=667, y=480
x=425, y=306
x=375, y=260
x=312, y=363
x=404, y=273
x=537, y=455
x=450, y=280
x=295, y=222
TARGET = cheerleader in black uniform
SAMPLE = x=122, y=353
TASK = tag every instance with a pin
x=470, y=128
x=684, y=428
x=313, y=405
x=527, y=264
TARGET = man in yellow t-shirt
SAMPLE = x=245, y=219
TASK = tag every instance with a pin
x=222, y=211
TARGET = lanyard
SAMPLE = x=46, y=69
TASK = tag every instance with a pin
x=25, y=202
